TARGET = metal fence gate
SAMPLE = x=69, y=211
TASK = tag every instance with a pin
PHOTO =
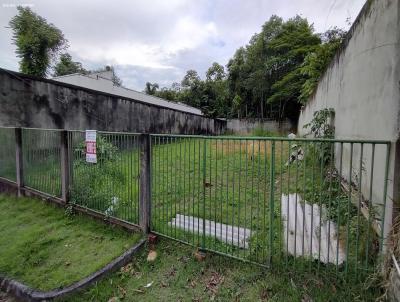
x=273, y=201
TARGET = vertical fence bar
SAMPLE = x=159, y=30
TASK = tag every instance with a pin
x=348, y=210
x=145, y=186
x=19, y=161
x=203, y=241
x=271, y=200
x=64, y=166
x=385, y=196
x=359, y=207
x=370, y=203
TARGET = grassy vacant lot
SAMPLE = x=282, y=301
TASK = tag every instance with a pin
x=177, y=276
x=44, y=248
x=236, y=182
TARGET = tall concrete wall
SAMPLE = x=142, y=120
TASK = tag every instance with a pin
x=247, y=126
x=33, y=102
x=362, y=86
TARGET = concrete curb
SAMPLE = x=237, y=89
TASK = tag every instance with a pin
x=25, y=293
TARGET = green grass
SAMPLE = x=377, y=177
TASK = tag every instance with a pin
x=261, y=132
x=42, y=247
x=7, y=153
x=177, y=276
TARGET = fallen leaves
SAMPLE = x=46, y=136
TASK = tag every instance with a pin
x=213, y=283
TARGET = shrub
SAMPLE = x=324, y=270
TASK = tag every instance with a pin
x=92, y=182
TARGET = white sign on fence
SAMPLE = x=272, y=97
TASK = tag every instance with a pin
x=90, y=140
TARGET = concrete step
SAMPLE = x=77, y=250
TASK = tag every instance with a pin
x=228, y=234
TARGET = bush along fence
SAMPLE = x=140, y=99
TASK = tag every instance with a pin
x=308, y=204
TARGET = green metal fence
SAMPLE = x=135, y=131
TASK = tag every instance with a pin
x=111, y=186
x=7, y=153
x=302, y=203
x=41, y=160
x=277, y=202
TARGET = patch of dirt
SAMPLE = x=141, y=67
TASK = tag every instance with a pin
x=6, y=298
x=254, y=148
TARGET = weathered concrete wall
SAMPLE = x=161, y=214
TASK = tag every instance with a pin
x=32, y=102
x=247, y=126
x=362, y=86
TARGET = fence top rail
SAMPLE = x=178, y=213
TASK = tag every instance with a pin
x=81, y=131
x=274, y=138
x=40, y=129
x=107, y=132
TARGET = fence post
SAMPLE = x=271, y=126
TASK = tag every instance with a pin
x=145, y=182
x=64, y=166
x=19, y=161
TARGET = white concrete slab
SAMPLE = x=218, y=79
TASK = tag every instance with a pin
x=226, y=233
x=308, y=233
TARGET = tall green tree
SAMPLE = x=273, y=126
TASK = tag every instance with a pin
x=288, y=50
x=270, y=77
x=38, y=42
x=150, y=88
x=67, y=66
x=316, y=62
x=265, y=73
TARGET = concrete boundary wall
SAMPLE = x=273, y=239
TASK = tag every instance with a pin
x=27, y=101
x=362, y=85
x=245, y=126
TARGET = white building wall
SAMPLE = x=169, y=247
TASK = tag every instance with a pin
x=362, y=86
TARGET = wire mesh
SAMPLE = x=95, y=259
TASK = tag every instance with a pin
x=41, y=160
x=7, y=154
x=110, y=186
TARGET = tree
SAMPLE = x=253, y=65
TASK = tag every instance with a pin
x=271, y=76
x=316, y=62
x=117, y=81
x=236, y=104
x=191, y=79
x=67, y=66
x=215, y=73
x=288, y=49
x=151, y=89
x=37, y=42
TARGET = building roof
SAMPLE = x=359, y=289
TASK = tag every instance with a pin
x=102, y=81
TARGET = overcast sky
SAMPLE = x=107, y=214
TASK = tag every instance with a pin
x=159, y=40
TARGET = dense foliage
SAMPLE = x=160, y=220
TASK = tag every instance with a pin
x=37, y=41
x=272, y=76
x=67, y=66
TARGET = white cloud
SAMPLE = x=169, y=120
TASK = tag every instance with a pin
x=159, y=40
x=188, y=33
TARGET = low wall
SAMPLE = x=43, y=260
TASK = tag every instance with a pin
x=27, y=101
x=361, y=85
x=246, y=126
